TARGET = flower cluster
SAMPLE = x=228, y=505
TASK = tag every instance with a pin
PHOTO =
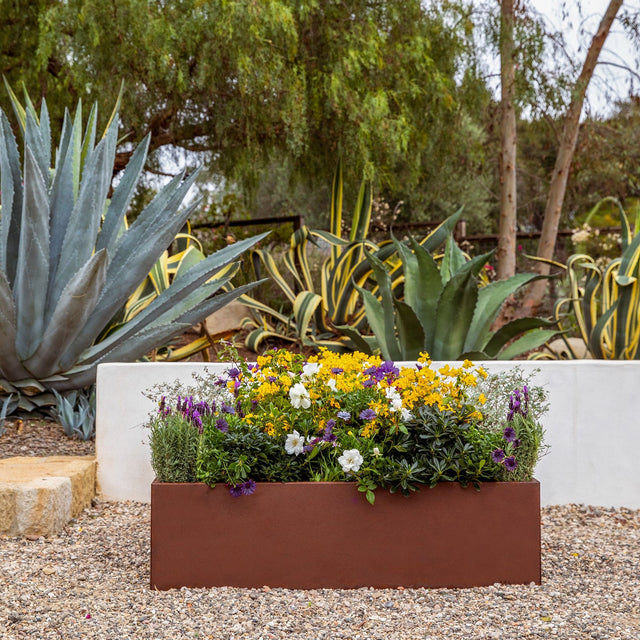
x=344, y=416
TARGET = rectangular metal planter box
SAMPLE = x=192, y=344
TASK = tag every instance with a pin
x=311, y=535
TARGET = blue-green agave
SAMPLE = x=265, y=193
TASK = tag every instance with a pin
x=68, y=263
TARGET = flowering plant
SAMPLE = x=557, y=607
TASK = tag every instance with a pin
x=340, y=417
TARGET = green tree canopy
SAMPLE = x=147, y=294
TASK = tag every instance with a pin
x=387, y=84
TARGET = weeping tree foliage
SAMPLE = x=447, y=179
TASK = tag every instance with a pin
x=386, y=83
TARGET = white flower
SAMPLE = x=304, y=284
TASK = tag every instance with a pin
x=309, y=370
x=294, y=444
x=406, y=415
x=376, y=451
x=331, y=383
x=395, y=399
x=299, y=396
x=350, y=460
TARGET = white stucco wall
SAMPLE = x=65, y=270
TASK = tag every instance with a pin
x=593, y=429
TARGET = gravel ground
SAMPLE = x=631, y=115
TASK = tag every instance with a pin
x=92, y=581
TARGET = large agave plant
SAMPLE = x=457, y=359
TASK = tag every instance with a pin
x=444, y=309
x=68, y=264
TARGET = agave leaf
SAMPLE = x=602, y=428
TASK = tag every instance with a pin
x=452, y=261
x=190, y=257
x=386, y=341
x=12, y=201
x=30, y=288
x=18, y=109
x=203, y=310
x=336, y=210
x=186, y=351
x=441, y=232
x=89, y=140
x=274, y=272
x=490, y=300
x=76, y=302
x=39, y=149
x=170, y=303
x=121, y=198
x=512, y=329
x=10, y=366
x=527, y=342
x=134, y=257
x=456, y=306
x=84, y=223
x=62, y=198
x=410, y=331
x=386, y=295
x=304, y=307
x=262, y=308
x=329, y=238
x=362, y=214
x=423, y=290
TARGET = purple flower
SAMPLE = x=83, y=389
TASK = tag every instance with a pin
x=235, y=490
x=510, y=463
x=222, y=425
x=509, y=434
x=330, y=424
x=248, y=487
x=387, y=368
x=369, y=382
x=497, y=455
x=234, y=372
x=337, y=370
x=227, y=408
x=367, y=414
x=271, y=378
x=344, y=415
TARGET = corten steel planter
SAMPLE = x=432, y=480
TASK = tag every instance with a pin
x=308, y=535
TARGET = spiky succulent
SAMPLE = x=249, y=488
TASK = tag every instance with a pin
x=68, y=263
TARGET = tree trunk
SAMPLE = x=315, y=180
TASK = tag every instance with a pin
x=506, y=251
x=560, y=174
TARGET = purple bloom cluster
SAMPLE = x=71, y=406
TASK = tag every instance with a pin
x=193, y=411
x=386, y=370
x=500, y=457
x=327, y=436
x=518, y=403
x=243, y=489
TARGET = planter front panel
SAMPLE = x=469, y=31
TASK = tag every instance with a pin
x=326, y=535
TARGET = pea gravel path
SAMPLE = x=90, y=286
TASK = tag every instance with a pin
x=92, y=582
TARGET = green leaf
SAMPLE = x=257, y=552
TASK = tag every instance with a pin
x=32, y=272
x=490, y=300
x=527, y=342
x=454, y=315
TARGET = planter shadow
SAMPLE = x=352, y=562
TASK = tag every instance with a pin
x=311, y=535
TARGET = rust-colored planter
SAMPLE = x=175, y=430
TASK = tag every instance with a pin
x=307, y=535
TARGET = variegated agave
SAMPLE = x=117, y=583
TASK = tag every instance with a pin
x=320, y=311
x=605, y=299
x=68, y=263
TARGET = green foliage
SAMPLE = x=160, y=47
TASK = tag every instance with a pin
x=420, y=306
x=436, y=447
x=174, y=449
x=68, y=264
x=247, y=84
x=320, y=312
x=76, y=412
x=604, y=299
